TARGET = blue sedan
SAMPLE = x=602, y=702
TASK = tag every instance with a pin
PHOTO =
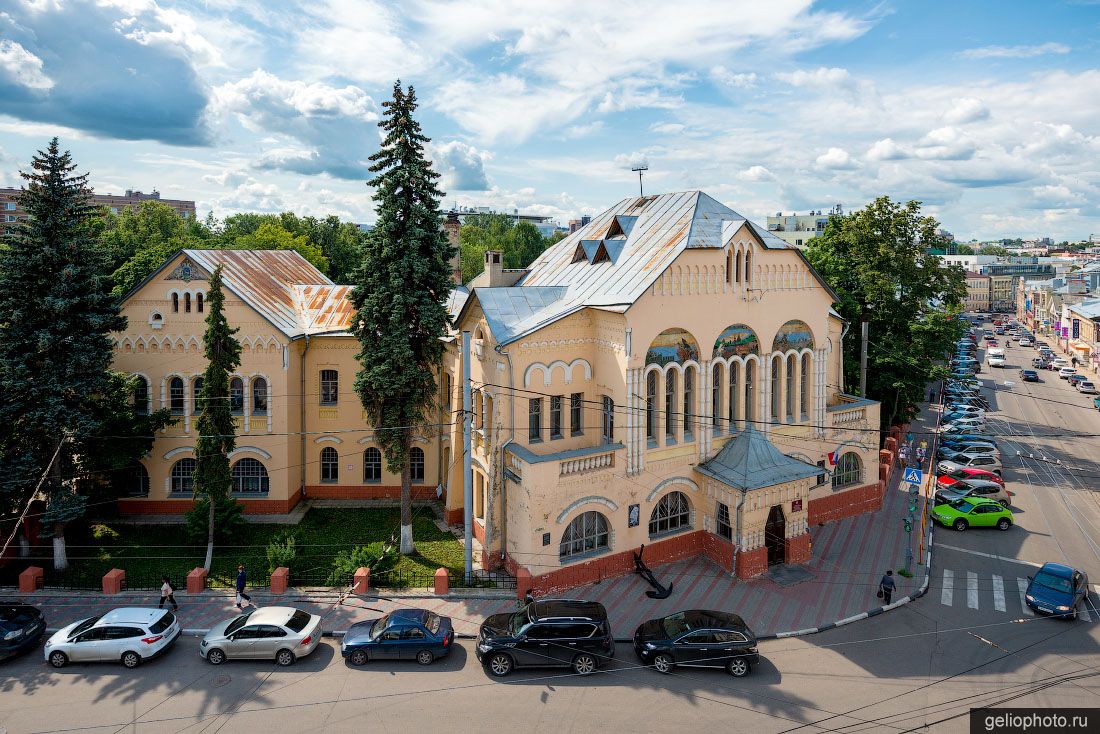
x=403, y=634
x=1057, y=589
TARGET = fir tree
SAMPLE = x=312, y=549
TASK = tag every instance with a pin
x=401, y=292
x=56, y=316
x=217, y=435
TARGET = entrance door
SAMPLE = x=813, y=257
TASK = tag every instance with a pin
x=773, y=536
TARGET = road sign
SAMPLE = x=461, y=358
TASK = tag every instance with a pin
x=913, y=476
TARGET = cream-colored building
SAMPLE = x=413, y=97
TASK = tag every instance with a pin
x=669, y=375
x=977, y=292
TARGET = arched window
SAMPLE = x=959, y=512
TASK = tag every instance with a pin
x=776, y=365
x=182, y=478
x=141, y=395
x=198, y=302
x=748, y=268
x=671, y=514
x=259, y=396
x=608, y=419
x=176, y=395
x=731, y=407
x=790, y=387
x=330, y=387
x=175, y=303
x=716, y=398
x=651, y=406
x=487, y=420
x=849, y=470
x=670, y=405
x=330, y=465
x=750, y=387
x=250, y=477
x=236, y=396
x=722, y=525
x=475, y=419
x=187, y=302
x=586, y=533
x=689, y=398
x=804, y=386
x=372, y=466
x=196, y=395
x=737, y=276
x=416, y=464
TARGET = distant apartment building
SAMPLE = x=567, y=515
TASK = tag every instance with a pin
x=575, y=224
x=544, y=224
x=799, y=229
x=11, y=212
x=969, y=262
x=977, y=292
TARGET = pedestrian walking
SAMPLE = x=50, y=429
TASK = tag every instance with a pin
x=242, y=581
x=903, y=456
x=922, y=454
x=886, y=587
x=167, y=594
x=1074, y=361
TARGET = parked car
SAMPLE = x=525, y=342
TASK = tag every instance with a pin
x=996, y=361
x=951, y=452
x=547, y=633
x=282, y=634
x=963, y=445
x=975, y=489
x=1096, y=403
x=1029, y=375
x=1057, y=589
x=1066, y=372
x=21, y=629
x=1086, y=387
x=962, y=425
x=989, y=463
x=130, y=635
x=1025, y=342
x=1060, y=362
x=966, y=513
x=697, y=638
x=946, y=480
x=1076, y=379
x=403, y=634
x=963, y=408
x=969, y=453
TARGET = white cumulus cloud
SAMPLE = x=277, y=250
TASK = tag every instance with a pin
x=964, y=110
x=22, y=67
x=835, y=159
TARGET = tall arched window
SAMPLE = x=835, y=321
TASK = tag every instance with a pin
x=141, y=395
x=748, y=268
x=804, y=387
x=790, y=387
x=182, y=478
x=475, y=405
x=731, y=407
x=176, y=395
x=198, y=302
x=737, y=277
x=849, y=470
x=672, y=513
x=236, y=396
x=372, y=466
x=729, y=266
x=259, y=396
x=416, y=464
x=175, y=303
x=330, y=465
x=651, y=406
x=608, y=434
x=750, y=392
x=586, y=533
x=716, y=398
x=187, y=302
x=250, y=477
x=776, y=366
x=670, y=405
x=196, y=395
x=689, y=399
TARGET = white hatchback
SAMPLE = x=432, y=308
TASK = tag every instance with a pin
x=1065, y=372
x=128, y=635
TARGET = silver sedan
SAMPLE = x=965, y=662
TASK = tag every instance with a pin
x=282, y=634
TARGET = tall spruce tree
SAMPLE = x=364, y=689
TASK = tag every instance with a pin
x=401, y=292
x=56, y=316
x=217, y=433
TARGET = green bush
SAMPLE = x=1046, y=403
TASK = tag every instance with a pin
x=281, y=551
x=227, y=520
x=104, y=532
x=378, y=557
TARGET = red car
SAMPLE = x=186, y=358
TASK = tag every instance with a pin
x=966, y=472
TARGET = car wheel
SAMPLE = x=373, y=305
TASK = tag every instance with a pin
x=584, y=664
x=284, y=658
x=663, y=663
x=1003, y=524
x=425, y=657
x=358, y=657
x=738, y=667
x=131, y=659
x=961, y=525
x=59, y=659
x=499, y=664
x=215, y=657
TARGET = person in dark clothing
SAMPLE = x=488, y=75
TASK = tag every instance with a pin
x=887, y=586
x=242, y=580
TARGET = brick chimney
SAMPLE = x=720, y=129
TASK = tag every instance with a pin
x=494, y=268
x=451, y=226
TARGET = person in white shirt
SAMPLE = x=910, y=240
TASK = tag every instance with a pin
x=167, y=595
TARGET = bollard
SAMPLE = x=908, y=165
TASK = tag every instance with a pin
x=361, y=581
x=442, y=581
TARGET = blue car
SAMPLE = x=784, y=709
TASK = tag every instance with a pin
x=403, y=634
x=1057, y=589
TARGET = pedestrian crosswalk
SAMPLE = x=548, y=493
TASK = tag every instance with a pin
x=984, y=591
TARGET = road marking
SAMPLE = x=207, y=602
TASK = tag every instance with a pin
x=1021, y=584
x=989, y=555
x=998, y=593
x=971, y=589
x=948, y=592
x=1083, y=613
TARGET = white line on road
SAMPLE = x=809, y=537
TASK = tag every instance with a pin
x=1021, y=584
x=1083, y=613
x=988, y=555
x=998, y=593
x=971, y=589
x=948, y=591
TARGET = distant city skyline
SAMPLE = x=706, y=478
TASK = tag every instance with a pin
x=987, y=112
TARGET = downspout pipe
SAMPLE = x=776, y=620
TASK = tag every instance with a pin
x=737, y=532
x=302, y=415
x=511, y=435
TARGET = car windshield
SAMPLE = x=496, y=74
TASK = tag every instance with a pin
x=431, y=621
x=86, y=624
x=518, y=621
x=298, y=621
x=237, y=623
x=1057, y=583
x=962, y=505
x=677, y=624
x=379, y=625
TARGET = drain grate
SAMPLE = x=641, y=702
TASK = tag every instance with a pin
x=222, y=679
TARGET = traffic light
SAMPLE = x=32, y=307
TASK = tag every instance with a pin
x=908, y=525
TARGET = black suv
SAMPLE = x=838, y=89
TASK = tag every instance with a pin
x=697, y=637
x=547, y=633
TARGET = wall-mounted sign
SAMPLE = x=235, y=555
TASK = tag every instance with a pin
x=796, y=505
x=633, y=516
x=1077, y=328
x=546, y=538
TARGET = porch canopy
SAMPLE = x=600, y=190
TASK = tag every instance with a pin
x=750, y=461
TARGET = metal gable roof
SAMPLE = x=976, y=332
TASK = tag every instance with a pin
x=750, y=461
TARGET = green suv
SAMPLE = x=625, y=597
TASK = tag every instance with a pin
x=969, y=512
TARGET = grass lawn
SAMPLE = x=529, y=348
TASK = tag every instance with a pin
x=147, y=552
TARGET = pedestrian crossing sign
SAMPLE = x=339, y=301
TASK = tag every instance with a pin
x=913, y=476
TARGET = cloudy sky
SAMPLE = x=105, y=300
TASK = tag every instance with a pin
x=986, y=110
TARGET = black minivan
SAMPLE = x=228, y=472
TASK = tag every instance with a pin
x=547, y=633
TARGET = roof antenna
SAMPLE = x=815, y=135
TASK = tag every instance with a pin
x=639, y=169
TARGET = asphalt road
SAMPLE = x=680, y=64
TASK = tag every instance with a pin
x=968, y=643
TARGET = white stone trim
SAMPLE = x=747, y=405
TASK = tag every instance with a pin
x=173, y=453
x=249, y=450
x=328, y=439
x=591, y=499
x=548, y=371
x=671, y=481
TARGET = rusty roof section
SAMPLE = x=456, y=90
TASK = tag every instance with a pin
x=325, y=309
